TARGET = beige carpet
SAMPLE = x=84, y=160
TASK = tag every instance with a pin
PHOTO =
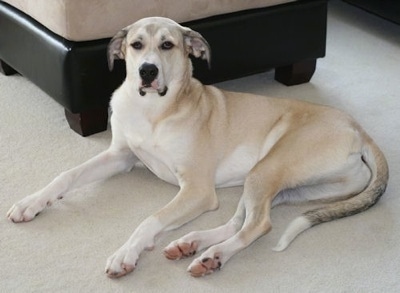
x=65, y=248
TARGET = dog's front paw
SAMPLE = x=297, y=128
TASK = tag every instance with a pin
x=206, y=265
x=26, y=210
x=177, y=250
x=122, y=262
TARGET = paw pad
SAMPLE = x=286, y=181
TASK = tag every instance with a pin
x=206, y=266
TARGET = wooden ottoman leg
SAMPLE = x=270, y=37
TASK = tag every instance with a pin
x=296, y=73
x=88, y=122
x=6, y=69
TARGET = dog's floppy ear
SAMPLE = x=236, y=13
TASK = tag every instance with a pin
x=116, y=48
x=197, y=45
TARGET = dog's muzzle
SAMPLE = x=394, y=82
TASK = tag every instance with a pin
x=148, y=73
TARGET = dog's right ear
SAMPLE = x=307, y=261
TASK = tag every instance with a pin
x=116, y=48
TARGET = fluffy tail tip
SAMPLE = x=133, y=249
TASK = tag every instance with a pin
x=297, y=226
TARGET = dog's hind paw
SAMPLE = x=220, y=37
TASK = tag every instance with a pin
x=205, y=266
x=175, y=250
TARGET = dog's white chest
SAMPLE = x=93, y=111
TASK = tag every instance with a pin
x=153, y=146
x=158, y=144
x=139, y=135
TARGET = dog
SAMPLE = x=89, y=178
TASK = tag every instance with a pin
x=199, y=138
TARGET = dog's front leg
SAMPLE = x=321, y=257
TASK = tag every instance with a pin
x=102, y=166
x=188, y=204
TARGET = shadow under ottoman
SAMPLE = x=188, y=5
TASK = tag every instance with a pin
x=288, y=37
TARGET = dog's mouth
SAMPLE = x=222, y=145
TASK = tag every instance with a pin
x=152, y=87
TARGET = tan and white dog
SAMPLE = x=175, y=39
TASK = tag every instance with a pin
x=200, y=137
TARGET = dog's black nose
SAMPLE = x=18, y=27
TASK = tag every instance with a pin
x=148, y=72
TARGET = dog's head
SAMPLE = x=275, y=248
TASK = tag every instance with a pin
x=156, y=51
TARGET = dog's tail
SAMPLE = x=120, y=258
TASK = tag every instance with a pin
x=375, y=160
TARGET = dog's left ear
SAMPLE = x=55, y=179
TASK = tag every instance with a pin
x=197, y=45
x=116, y=48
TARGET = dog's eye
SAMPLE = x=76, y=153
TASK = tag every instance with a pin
x=167, y=45
x=137, y=45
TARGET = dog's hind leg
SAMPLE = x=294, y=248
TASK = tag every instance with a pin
x=313, y=178
x=102, y=166
x=196, y=241
x=259, y=189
